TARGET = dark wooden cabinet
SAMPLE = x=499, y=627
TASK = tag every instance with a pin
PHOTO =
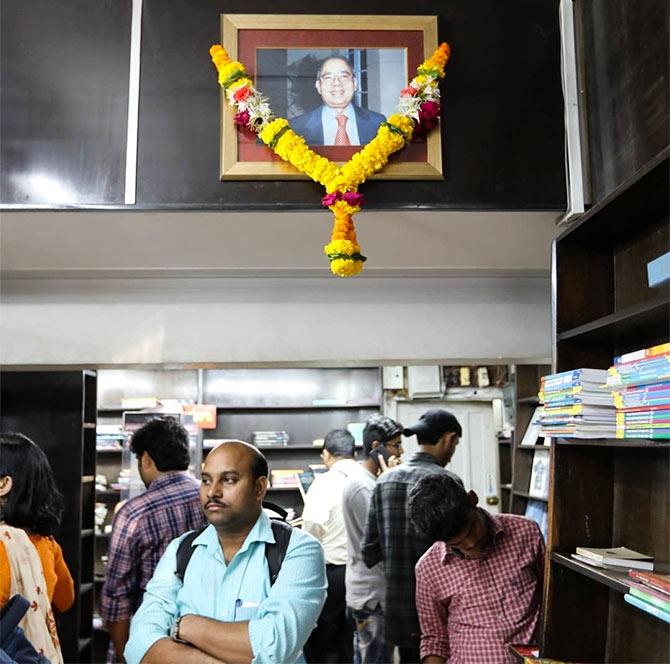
x=57, y=409
x=608, y=492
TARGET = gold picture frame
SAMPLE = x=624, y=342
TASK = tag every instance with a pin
x=242, y=158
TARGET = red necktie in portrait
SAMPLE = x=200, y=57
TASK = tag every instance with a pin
x=341, y=137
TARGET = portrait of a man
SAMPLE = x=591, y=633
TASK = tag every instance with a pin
x=338, y=120
x=332, y=96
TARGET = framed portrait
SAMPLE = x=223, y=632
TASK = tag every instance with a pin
x=308, y=66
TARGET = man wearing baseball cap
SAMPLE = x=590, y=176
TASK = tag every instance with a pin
x=389, y=535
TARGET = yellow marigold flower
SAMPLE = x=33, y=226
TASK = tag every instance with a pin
x=344, y=267
x=271, y=129
x=345, y=247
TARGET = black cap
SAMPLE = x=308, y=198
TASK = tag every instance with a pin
x=387, y=428
x=433, y=424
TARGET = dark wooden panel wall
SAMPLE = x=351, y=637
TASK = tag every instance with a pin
x=503, y=122
x=64, y=103
x=625, y=51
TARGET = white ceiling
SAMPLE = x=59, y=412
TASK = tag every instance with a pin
x=134, y=244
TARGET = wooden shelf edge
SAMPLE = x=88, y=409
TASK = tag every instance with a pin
x=608, y=577
x=525, y=494
x=612, y=442
x=627, y=314
x=647, y=169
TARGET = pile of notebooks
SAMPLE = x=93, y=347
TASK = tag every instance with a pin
x=650, y=592
x=270, y=438
x=641, y=388
x=576, y=406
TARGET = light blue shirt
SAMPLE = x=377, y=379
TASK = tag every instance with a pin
x=280, y=617
x=329, y=124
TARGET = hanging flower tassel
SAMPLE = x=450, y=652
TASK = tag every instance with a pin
x=343, y=250
x=418, y=112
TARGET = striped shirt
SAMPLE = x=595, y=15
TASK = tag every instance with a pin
x=469, y=609
x=390, y=537
x=141, y=531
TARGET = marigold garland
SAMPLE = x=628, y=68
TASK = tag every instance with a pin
x=418, y=109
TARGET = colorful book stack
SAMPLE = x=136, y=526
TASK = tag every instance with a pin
x=641, y=389
x=575, y=405
x=650, y=592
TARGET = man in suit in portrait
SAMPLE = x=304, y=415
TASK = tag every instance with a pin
x=337, y=121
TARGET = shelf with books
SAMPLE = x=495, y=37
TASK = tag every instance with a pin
x=608, y=492
x=527, y=384
x=611, y=578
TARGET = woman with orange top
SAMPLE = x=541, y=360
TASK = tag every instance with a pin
x=31, y=561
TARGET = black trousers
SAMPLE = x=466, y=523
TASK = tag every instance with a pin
x=331, y=641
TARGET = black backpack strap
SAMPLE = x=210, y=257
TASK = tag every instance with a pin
x=273, y=507
x=275, y=552
x=184, y=553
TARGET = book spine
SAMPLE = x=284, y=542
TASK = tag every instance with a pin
x=650, y=599
x=649, y=608
x=653, y=580
x=637, y=355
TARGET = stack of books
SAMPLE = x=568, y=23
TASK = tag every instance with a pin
x=575, y=405
x=615, y=558
x=270, y=438
x=640, y=383
x=650, y=592
x=286, y=478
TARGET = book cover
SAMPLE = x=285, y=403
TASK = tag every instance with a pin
x=619, y=556
x=539, y=476
x=657, y=581
x=649, y=608
x=650, y=596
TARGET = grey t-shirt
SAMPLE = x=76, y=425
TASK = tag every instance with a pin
x=365, y=586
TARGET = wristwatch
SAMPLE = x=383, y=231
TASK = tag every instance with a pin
x=174, y=631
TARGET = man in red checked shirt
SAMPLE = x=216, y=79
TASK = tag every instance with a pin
x=479, y=586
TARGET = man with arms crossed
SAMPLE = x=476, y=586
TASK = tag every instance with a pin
x=227, y=610
x=479, y=587
x=365, y=587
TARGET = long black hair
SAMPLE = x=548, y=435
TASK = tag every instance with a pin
x=34, y=502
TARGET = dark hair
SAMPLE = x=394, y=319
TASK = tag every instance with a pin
x=259, y=464
x=438, y=507
x=165, y=440
x=332, y=57
x=34, y=502
x=340, y=443
x=379, y=428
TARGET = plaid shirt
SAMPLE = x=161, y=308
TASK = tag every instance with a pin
x=141, y=531
x=469, y=609
x=390, y=537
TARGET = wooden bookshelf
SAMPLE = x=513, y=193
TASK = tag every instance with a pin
x=57, y=409
x=527, y=385
x=608, y=492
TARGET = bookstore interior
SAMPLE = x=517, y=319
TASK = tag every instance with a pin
x=551, y=349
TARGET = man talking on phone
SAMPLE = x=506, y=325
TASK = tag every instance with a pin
x=365, y=586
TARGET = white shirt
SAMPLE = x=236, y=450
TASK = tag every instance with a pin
x=322, y=516
x=329, y=124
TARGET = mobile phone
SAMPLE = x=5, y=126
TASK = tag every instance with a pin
x=381, y=450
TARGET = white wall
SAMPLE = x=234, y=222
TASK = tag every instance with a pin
x=231, y=320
